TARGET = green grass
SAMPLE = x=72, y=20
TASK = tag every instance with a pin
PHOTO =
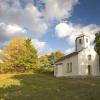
x=46, y=87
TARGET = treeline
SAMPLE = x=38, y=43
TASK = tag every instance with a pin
x=21, y=55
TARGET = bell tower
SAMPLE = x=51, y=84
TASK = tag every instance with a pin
x=82, y=42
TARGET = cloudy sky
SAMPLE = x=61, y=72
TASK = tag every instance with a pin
x=52, y=24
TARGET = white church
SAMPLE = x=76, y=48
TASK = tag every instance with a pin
x=83, y=62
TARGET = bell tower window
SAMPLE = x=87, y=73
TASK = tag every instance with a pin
x=80, y=41
x=87, y=40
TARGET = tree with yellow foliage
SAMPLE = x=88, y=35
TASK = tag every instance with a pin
x=22, y=53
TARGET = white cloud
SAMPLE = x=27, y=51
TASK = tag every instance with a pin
x=59, y=9
x=69, y=50
x=29, y=21
x=91, y=30
x=14, y=29
x=40, y=45
x=9, y=31
x=63, y=29
x=73, y=30
x=27, y=18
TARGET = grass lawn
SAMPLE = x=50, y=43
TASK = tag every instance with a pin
x=46, y=87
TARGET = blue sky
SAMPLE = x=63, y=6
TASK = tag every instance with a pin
x=52, y=24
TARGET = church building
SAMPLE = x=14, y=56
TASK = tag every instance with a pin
x=83, y=62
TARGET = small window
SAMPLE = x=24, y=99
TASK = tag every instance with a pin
x=69, y=67
x=87, y=40
x=89, y=57
x=80, y=41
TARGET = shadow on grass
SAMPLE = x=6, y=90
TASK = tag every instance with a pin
x=46, y=87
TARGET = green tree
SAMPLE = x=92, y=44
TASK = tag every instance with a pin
x=44, y=61
x=97, y=43
x=31, y=56
x=54, y=56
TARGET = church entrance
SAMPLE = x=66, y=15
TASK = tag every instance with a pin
x=89, y=70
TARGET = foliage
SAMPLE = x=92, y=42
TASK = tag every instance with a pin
x=3, y=57
x=54, y=56
x=48, y=60
x=31, y=57
x=22, y=53
x=97, y=42
x=44, y=61
x=6, y=67
x=45, y=69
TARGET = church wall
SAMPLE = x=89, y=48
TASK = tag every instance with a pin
x=58, y=70
x=84, y=62
x=86, y=42
x=96, y=67
x=63, y=68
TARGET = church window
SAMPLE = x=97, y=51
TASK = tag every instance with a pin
x=80, y=41
x=69, y=67
x=87, y=40
x=89, y=57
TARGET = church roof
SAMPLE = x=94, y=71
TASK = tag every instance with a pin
x=67, y=56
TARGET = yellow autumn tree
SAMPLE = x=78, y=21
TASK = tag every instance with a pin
x=22, y=53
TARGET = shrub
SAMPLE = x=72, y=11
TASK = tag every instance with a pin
x=48, y=70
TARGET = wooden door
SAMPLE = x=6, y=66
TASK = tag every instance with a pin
x=89, y=70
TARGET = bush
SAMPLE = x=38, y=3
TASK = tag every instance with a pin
x=48, y=70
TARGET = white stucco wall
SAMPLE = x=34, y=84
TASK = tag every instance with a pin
x=58, y=70
x=83, y=62
x=86, y=44
x=62, y=68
